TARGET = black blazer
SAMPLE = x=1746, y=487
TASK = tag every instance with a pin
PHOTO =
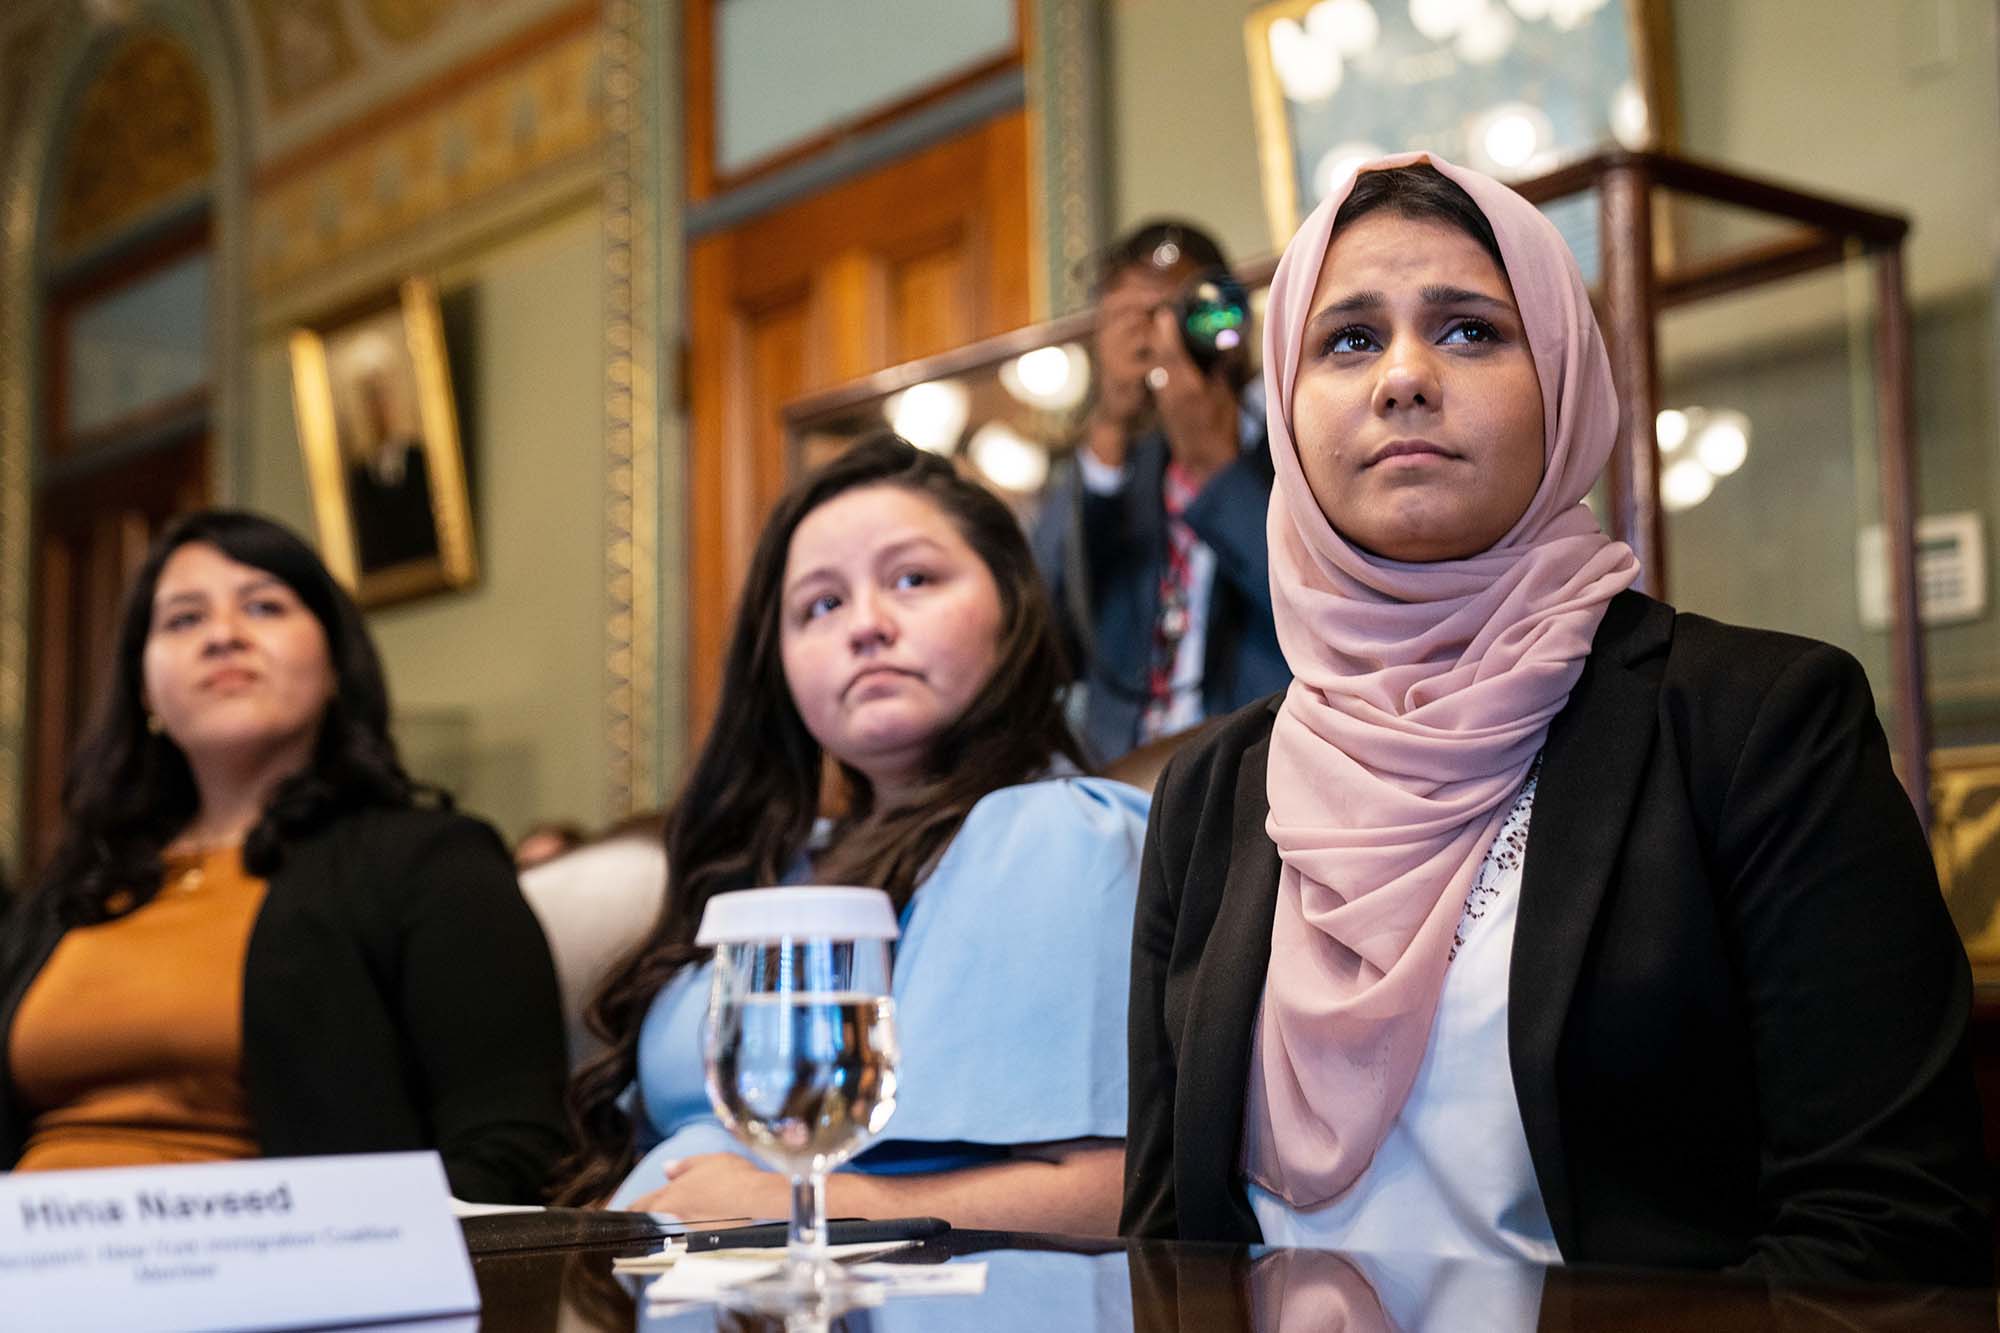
x=1737, y=1009
x=397, y=994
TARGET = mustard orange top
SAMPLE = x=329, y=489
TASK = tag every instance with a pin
x=127, y=1050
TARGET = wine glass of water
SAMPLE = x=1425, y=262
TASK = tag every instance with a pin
x=801, y=1054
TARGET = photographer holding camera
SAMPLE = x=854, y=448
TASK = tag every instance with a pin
x=1153, y=543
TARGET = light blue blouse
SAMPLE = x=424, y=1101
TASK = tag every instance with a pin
x=1010, y=984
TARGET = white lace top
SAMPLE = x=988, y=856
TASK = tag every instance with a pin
x=1453, y=1177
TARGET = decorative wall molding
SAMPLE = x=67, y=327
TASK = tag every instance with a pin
x=666, y=170
x=22, y=50
x=462, y=143
x=407, y=20
x=644, y=667
x=143, y=133
x=18, y=52
x=306, y=45
x=1067, y=130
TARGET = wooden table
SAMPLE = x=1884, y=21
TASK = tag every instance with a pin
x=560, y=1279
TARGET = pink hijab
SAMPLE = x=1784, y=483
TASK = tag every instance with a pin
x=1421, y=695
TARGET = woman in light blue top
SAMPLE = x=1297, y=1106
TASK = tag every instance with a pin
x=892, y=622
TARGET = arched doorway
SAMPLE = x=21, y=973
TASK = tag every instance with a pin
x=127, y=363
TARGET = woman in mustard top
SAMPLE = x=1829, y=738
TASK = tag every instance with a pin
x=258, y=935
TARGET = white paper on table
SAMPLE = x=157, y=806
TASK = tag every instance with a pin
x=659, y=1261
x=704, y=1277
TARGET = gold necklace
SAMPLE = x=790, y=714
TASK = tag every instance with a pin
x=192, y=878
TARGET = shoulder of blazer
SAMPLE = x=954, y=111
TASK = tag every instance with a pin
x=1712, y=677
x=1685, y=679
x=378, y=838
x=359, y=879
x=1716, y=684
x=1638, y=631
x=1737, y=657
x=1206, y=768
x=393, y=825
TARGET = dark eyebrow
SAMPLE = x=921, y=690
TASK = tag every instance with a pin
x=1444, y=294
x=247, y=588
x=883, y=556
x=1436, y=293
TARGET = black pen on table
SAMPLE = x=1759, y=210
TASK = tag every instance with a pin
x=840, y=1231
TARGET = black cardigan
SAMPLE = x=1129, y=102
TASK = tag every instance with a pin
x=397, y=994
x=1737, y=1009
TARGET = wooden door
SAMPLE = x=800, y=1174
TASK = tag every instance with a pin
x=93, y=532
x=910, y=259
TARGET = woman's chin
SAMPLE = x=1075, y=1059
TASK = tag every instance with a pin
x=1421, y=541
x=1413, y=548
x=235, y=741
x=885, y=745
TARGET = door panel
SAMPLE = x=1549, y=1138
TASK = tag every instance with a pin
x=916, y=257
x=93, y=534
x=932, y=295
x=780, y=355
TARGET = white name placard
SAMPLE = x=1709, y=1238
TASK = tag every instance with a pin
x=273, y=1243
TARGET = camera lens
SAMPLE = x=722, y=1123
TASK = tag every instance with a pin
x=1214, y=317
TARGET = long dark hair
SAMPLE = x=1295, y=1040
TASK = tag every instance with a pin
x=747, y=807
x=129, y=790
x=1419, y=191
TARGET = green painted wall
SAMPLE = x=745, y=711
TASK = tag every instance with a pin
x=1181, y=138
x=499, y=689
x=1857, y=99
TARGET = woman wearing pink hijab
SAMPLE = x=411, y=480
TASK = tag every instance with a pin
x=1536, y=920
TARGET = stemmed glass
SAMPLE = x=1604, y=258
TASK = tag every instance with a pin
x=801, y=1056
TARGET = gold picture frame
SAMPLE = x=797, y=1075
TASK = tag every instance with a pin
x=1405, y=91
x=1965, y=839
x=379, y=430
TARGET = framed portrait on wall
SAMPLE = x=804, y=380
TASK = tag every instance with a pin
x=1965, y=837
x=379, y=430
x=1513, y=88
